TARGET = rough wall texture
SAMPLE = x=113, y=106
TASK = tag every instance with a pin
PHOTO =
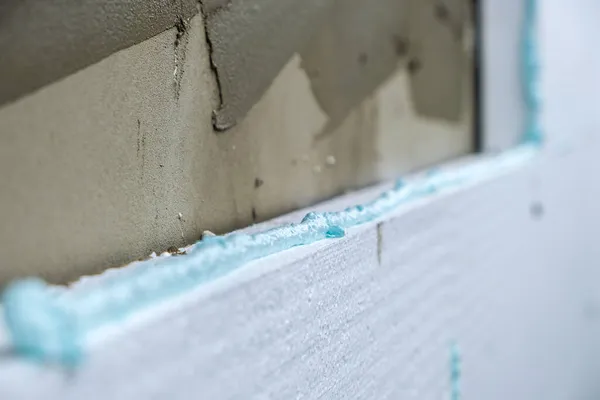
x=251, y=41
x=64, y=36
x=348, y=49
x=100, y=176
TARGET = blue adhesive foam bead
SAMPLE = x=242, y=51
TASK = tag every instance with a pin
x=39, y=325
x=455, y=372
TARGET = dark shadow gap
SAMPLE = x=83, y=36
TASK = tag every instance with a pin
x=478, y=75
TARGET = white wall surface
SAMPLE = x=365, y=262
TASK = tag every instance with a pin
x=505, y=268
x=503, y=108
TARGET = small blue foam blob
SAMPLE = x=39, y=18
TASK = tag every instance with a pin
x=430, y=188
x=40, y=328
x=399, y=184
x=335, y=232
x=432, y=172
x=311, y=216
x=213, y=239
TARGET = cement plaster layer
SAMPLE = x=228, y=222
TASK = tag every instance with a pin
x=348, y=48
x=42, y=41
x=98, y=166
x=251, y=41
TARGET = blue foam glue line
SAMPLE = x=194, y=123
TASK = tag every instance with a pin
x=49, y=325
x=530, y=74
x=455, y=372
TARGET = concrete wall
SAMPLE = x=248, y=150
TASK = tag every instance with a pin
x=65, y=36
x=98, y=167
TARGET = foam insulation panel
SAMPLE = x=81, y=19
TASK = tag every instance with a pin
x=496, y=271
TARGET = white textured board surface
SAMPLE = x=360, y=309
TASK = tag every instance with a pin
x=506, y=270
x=373, y=315
x=503, y=107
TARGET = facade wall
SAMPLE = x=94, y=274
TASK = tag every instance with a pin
x=486, y=289
x=98, y=166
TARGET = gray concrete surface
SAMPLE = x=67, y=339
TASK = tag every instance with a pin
x=99, y=166
x=64, y=36
x=349, y=48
